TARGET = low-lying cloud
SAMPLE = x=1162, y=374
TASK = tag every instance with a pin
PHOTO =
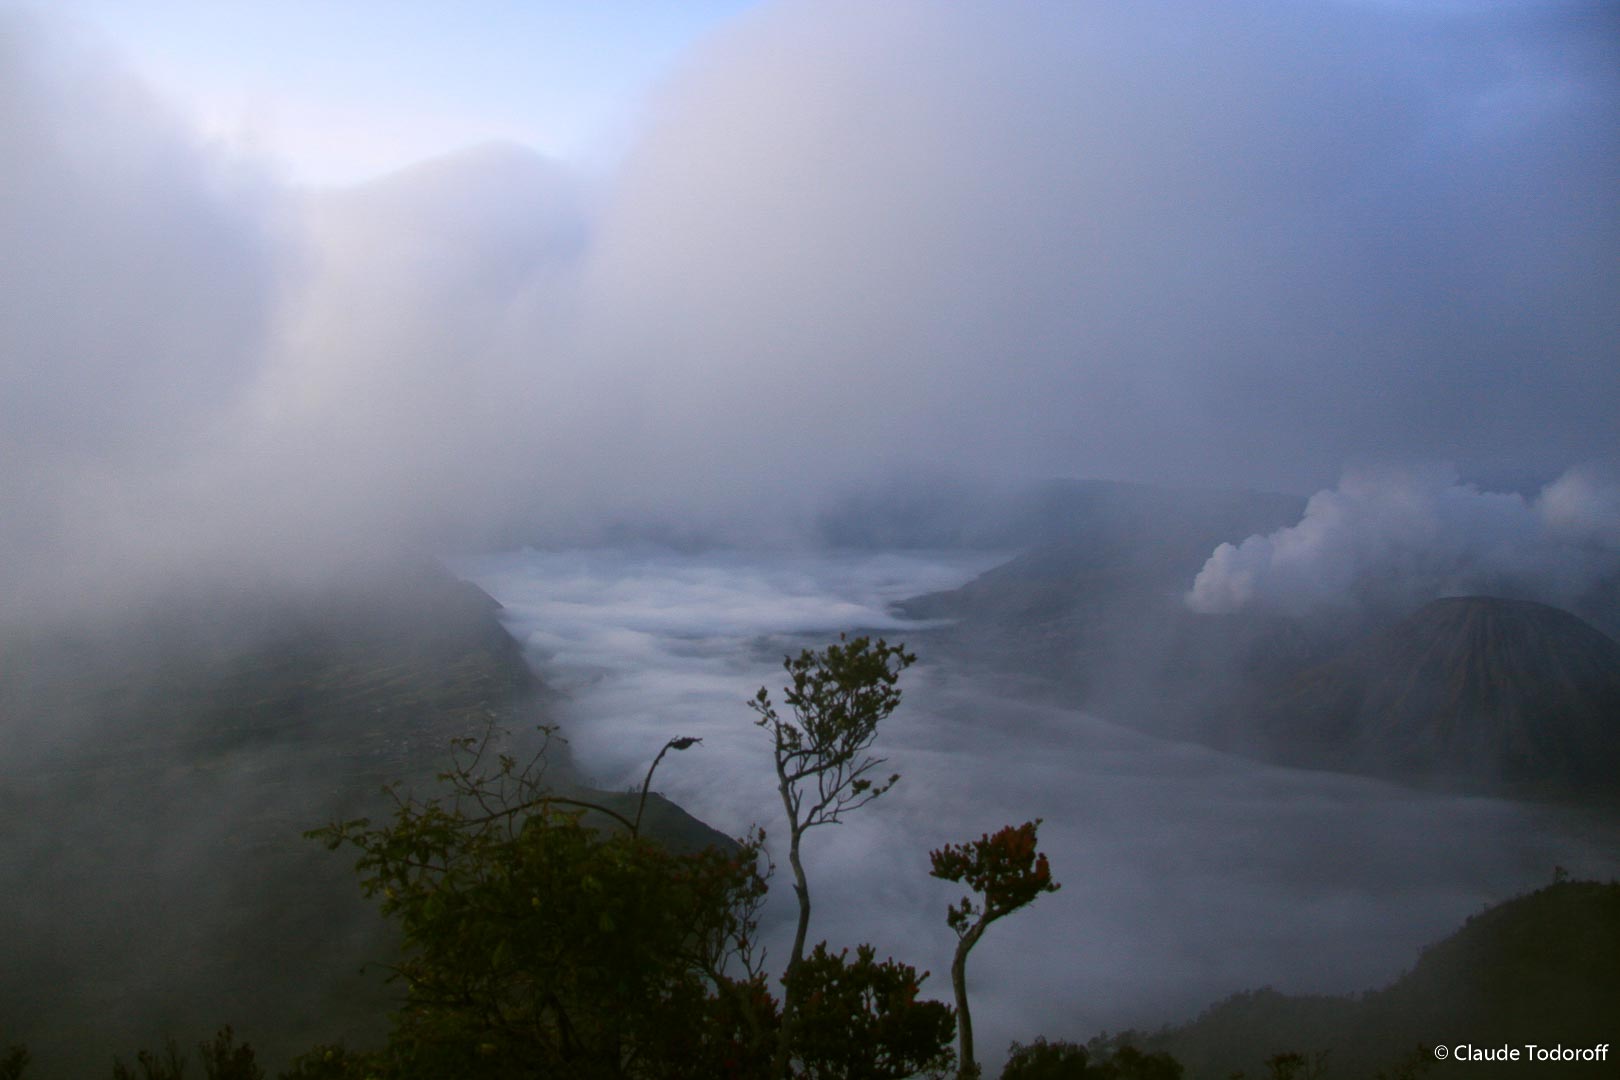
x=1399, y=537
x=1188, y=874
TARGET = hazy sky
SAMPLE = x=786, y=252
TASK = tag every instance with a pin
x=720, y=265
x=344, y=92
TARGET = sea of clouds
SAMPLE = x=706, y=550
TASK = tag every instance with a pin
x=1188, y=874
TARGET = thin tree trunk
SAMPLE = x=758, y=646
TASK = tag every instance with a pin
x=966, y=1067
x=790, y=995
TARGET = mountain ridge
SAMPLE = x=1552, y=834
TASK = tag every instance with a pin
x=1502, y=694
x=1540, y=968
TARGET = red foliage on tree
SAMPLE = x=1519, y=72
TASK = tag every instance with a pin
x=1007, y=873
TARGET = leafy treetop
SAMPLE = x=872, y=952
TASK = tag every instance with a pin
x=1007, y=871
x=838, y=697
x=1004, y=868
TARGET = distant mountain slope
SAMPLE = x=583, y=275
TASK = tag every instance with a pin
x=936, y=511
x=1491, y=695
x=1095, y=606
x=1542, y=968
x=158, y=768
x=1088, y=536
x=376, y=660
x=1494, y=693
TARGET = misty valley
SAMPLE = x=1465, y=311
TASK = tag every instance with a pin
x=159, y=884
x=483, y=484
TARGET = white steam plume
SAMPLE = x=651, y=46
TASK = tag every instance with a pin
x=1420, y=534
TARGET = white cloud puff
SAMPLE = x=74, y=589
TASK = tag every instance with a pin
x=1419, y=534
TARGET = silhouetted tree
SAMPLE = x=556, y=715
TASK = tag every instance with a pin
x=170, y=1064
x=1129, y=1063
x=332, y=1062
x=222, y=1059
x=838, y=696
x=1007, y=873
x=1042, y=1060
x=1292, y=1066
x=1415, y=1064
x=864, y=1020
x=535, y=945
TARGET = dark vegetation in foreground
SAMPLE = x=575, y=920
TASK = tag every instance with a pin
x=1540, y=968
x=535, y=944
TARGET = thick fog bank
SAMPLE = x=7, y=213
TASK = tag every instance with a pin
x=1188, y=874
x=1237, y=244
